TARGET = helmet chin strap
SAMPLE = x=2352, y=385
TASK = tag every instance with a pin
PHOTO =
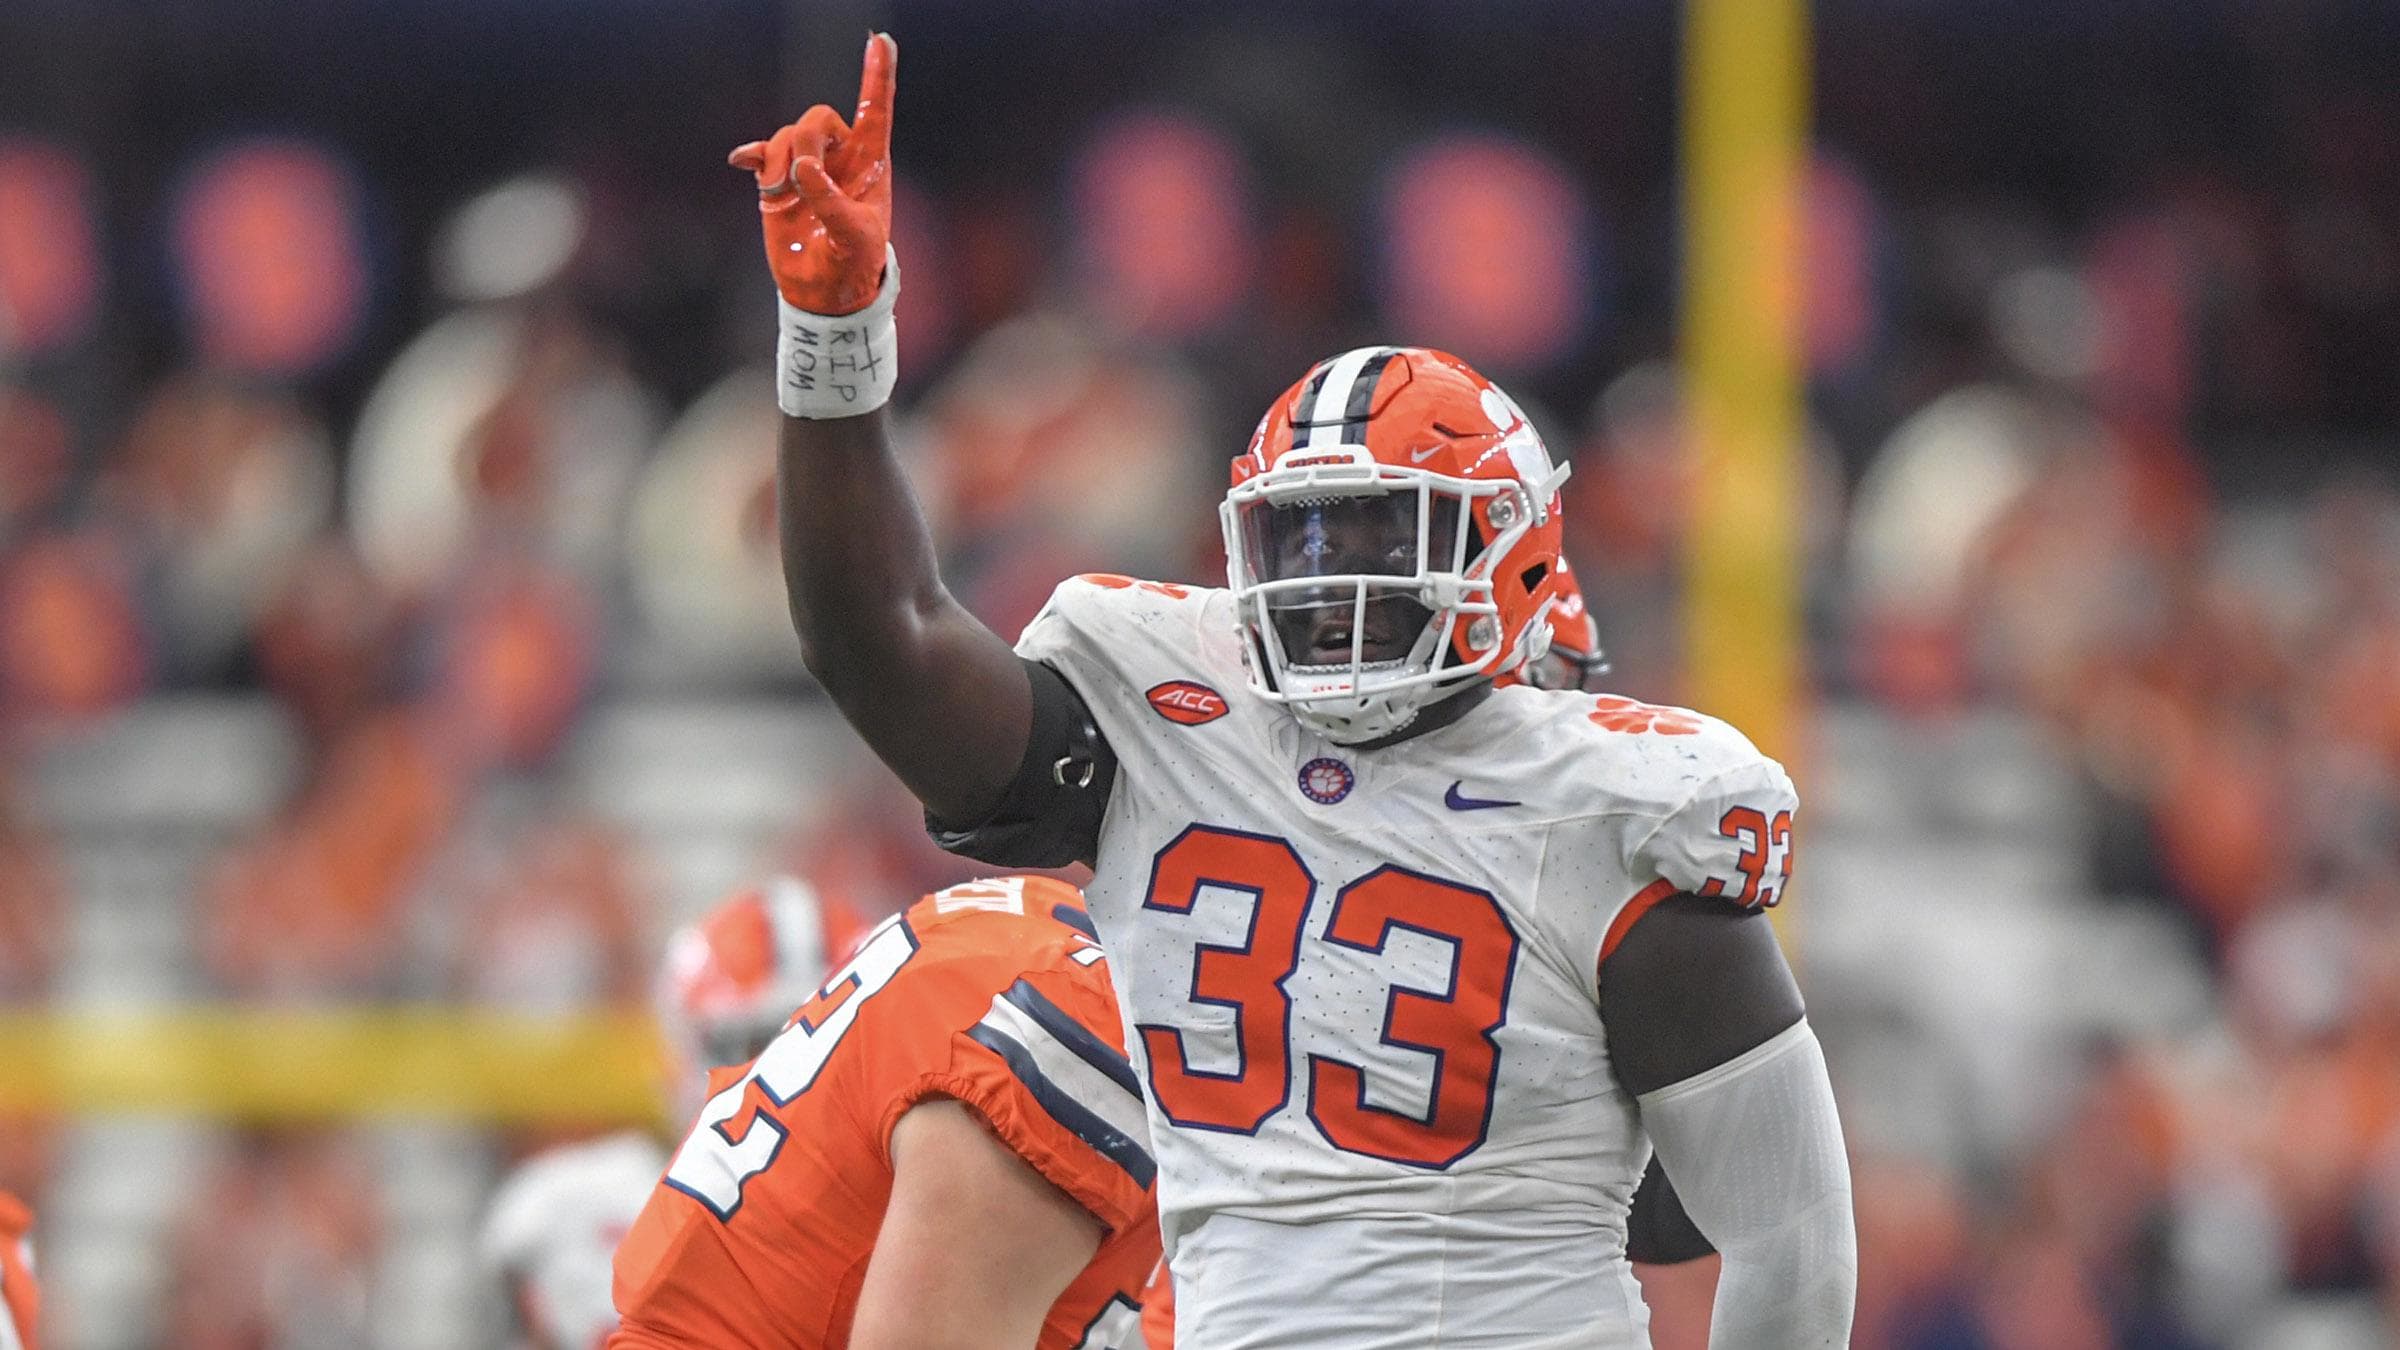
x=1416, y=719
x=1377, y=719
x=1352, y=719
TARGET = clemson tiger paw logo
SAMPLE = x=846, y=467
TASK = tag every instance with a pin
x=1326, y=780
x=1110, y=581
x=1613, y=712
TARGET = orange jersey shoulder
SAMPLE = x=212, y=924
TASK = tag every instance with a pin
x=993, y=994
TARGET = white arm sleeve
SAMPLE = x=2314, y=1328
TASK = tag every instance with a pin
x=1754, y=1148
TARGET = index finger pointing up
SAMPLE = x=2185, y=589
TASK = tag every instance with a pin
x=872, y=126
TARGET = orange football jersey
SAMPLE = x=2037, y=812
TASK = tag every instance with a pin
x=20, y=1302
x=991, y=993
x=1158, y=1311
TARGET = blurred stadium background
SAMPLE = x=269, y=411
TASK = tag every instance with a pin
x=392, y=648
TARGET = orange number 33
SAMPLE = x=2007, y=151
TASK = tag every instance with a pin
x=1762, y=841
x=1449, y=1028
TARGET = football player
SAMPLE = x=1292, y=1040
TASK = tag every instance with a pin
x=1419, y=970
x=727, y=985
x=945, y=1148
x=20, y=1301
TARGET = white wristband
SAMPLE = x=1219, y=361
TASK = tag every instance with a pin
x=839, y=365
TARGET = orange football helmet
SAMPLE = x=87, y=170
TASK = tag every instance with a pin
x=1391, y=536
x=1575, y=660
x=730, y=981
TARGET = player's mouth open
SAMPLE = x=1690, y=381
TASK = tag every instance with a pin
x=1389, y=636
x=1331, y=646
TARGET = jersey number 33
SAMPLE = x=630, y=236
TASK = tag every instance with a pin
x=1450, y=1026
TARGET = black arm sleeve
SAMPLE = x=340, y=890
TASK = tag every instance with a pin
x=1658, y=1232
x=1050, y=815
x=1694, y=983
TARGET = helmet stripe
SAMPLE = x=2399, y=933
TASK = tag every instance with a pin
x=1362, y=397
x=1304, y=408
x=1344, y=395
x=799, y=927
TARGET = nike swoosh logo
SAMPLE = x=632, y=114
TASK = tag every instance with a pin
x=1420, y=456
x=1459, y=801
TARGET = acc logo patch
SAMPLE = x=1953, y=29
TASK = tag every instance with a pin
x=1187, y=702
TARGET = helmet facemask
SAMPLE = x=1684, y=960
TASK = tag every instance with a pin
x=1367, y=588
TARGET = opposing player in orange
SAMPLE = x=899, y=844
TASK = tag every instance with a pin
x=726, y=987
x=946, y=1147
x=1420, y=968
x=20, y=1301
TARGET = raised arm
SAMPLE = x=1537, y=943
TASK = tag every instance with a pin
x=940, y=697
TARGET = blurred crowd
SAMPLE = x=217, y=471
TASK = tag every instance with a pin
x=441, y=456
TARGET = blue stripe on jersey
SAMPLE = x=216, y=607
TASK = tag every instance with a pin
x=1079, y=1120
x=1075, y=1036
x=1076, y=919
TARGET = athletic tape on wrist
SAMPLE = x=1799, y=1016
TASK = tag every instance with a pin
x=839, y=365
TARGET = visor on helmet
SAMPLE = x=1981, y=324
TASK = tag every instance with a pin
x=1375, y=535
x=1366, y=555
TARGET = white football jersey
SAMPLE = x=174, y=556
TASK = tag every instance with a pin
x=554, y=1225
x=1363, y=985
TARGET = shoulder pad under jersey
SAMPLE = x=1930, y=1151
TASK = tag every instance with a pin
x=1707, y=812
x=1088, y=607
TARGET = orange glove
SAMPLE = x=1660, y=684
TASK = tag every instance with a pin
x=825, y=194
